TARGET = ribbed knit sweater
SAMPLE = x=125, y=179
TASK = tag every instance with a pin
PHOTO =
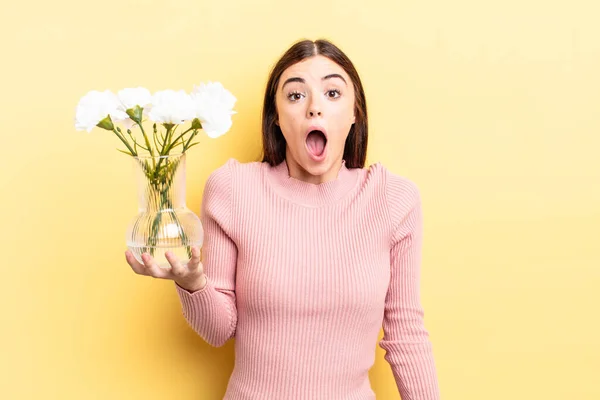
x=305, y=275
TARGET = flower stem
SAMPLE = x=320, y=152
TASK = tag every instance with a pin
x=170, y=129
x=133, y=152
x=162, y=188
x=174, y=143
x=147, y=144
x=154, y=136
x=186, y=145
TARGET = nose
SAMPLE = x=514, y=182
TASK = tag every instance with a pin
x=314, y=108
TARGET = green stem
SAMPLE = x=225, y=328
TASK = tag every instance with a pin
x=147, y=144
x=170, y=133
x=163, y=188
x=154, y=136
x=186, y=145
x=135, y=142
x=162, y=152
x=176, y=140
x=133, y=152
x=165, y=138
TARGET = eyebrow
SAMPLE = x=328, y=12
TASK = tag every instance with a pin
x=301, y=80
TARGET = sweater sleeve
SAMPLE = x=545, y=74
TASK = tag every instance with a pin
x=406, y=340
x=211, y=311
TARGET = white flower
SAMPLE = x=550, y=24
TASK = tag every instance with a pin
x=131, y=97
x=171, y=107
x=216, y=122
x=94, y=107
x=216, y=93
x=213, y=107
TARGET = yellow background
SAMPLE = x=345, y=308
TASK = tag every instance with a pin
x=493, y=108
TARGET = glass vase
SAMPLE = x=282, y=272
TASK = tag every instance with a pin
x=163, y=223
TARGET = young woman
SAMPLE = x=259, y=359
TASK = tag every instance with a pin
x=307, y=254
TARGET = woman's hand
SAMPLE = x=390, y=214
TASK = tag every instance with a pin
x=189, y=276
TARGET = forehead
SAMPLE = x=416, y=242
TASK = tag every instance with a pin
x=315, y=67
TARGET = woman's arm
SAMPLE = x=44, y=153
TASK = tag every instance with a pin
x=406, y=341
x=211, y=311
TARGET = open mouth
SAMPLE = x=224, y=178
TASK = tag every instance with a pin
x=316, y=140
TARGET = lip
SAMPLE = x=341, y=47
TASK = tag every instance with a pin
x=309, y=130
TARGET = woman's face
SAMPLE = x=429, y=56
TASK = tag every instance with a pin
x=315, y=107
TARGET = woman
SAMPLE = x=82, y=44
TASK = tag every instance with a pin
x=307, y=254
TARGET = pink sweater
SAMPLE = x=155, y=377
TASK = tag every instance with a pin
x=304, y=277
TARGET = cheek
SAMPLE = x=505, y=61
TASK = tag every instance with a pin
x=343, y=123
x=289, y=125
x=285, y=114
x=344, y=113
x=344, y=120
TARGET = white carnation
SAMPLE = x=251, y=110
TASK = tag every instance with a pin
x=131, y=97
x=213, y=107
x=171, y=107
x=94, y=107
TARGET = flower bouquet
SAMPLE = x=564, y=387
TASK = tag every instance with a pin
x=163, y=223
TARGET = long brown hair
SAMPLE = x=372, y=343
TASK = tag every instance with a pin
x=355, y=149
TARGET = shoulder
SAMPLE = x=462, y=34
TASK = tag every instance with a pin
x=398, y=189
x=231, y=170
x=220, y=188
x=402, y=197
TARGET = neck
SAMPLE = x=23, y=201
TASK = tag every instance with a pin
x=297, y=172
x=297, y=188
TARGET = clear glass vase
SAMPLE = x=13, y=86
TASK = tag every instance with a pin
x=163, y=223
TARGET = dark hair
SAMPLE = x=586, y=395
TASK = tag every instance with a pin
x=355, y=149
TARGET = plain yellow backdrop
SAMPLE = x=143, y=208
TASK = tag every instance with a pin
x=492, y=108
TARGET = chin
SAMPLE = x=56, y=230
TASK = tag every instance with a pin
x=316, y=168
x=321, y=167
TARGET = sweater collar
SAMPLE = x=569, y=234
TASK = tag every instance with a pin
x=311, y=194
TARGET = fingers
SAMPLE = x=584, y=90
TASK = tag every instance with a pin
x=194, y=262
x=148, y=268
x=134, y=264
x=152, y=267
x=177, y=270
